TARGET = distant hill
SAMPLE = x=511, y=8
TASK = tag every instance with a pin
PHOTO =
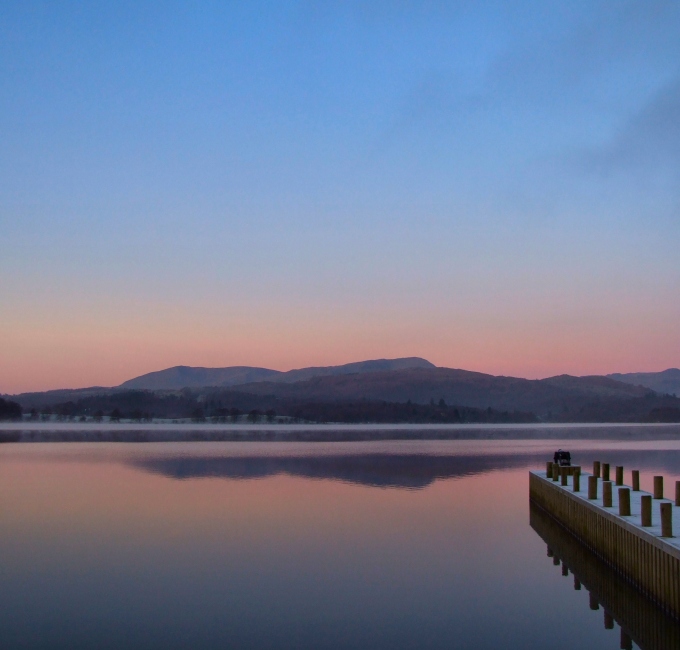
x=398, y=390
x=190, y=377
x=37, y=400
x=666, y=382
x=553, y=397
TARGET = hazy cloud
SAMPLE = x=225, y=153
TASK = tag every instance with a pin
x=551, y=60
x=649, y=137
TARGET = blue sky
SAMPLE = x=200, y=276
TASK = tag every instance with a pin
x=493, y=185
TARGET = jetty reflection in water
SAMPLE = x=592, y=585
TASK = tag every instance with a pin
x=639, y=619
x=284, y=546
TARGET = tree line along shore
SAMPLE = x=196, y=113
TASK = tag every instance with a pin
x=225, y=406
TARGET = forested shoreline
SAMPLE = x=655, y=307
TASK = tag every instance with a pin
x=228, y=406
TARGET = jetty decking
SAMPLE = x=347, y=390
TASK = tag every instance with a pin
x=644, y=555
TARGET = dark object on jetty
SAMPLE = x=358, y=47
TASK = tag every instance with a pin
x=562, y=458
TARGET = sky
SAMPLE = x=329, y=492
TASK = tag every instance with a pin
x=493, y=186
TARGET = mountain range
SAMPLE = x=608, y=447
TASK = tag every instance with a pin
x=666, y=382
x=376, y=390
x=189, y=377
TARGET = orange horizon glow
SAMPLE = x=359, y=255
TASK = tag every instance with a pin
x=54, y=359
x=56, y=348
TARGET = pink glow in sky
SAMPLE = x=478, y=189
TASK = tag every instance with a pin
x=76, y=352
x=491, y=187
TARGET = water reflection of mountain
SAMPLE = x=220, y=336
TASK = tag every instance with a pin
x=385, y=470
x=379, y=470
x=640, y=620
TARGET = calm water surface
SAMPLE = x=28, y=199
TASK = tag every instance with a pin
x=296, y=545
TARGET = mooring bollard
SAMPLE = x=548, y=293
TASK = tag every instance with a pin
x=646, y=509
x=619, y=475
x=577, y=481
x=636, y=480
x=605, y=471
x=596, y=469
x=565, y=476
x=556, y=472
x=666, y=519
x=592, y=487
x=677, y=493
x=577, y=584
x=658, y=487
x=548, y=469
x=624, y=502
x=607, y=494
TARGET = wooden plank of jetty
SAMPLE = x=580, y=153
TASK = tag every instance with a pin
x=612, y=520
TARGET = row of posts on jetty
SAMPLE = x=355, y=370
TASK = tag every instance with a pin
x=560, y=473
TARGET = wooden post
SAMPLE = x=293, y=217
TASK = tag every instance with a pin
x=624, y=502
x=556, y=560
x=658, y=487
x=666, y=519
x=556, y=472
x=607, y=494
x=577, y=584
x=646, y=509
x=593, y=601
x=677, y=493
x=605, y=471
x=596, y=469
x=565, y=476
x=636, y=480
x=619, y=475
x=608, y=621
x=548, y=469
x=577, y=481
x=565, y=569
x=592, y=487
x=550, y=552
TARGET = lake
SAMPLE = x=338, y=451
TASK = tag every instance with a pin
x=402, y=544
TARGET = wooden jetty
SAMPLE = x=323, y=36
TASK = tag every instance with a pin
x=628, y=529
